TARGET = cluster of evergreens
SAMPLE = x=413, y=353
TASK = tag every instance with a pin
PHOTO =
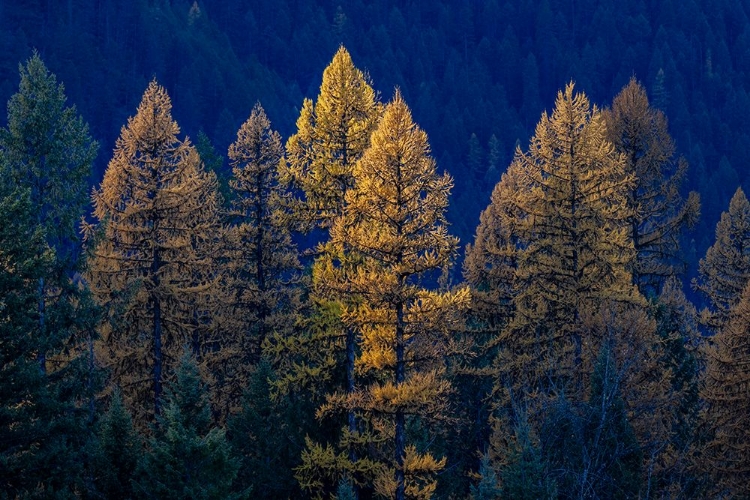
x=192, y=344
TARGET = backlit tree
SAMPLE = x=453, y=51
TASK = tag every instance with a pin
x=153, y=260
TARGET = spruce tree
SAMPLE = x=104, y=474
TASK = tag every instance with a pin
x=187, y=457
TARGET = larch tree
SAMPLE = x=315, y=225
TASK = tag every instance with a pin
x=575, y=249
x=394, y=224
x=658, y=214
x=724, y=272
x=153, y=262
x=726, y=455
x=264, y=269
x=332, y=135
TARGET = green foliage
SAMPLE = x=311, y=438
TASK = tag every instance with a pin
x=187, y=457
x=487, y=488
x=116, y=452
x=268, y=435
x=526, y=475
x=40, y=424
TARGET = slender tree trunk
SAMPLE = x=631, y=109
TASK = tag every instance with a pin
x=157, y=333
x=41, y=310
x=400, y=417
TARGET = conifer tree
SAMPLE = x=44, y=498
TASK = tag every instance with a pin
x=726, y=455
x=658, y=213
x=394, y=224
x=48, y=150
x=116, y=453
x=268, y=434
x=723, y=273
x=331, y=136
x=263, y=259
x=152, y=261
x=575, y=245
x=187, y=457
x=46, y=154
x=42, y=422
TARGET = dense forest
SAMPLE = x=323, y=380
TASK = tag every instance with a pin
x=394, y=250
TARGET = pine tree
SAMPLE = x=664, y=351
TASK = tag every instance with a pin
x=726, y=455
x=263, y=259
x=525, y=475
x=187, y=457
x=658, y=213
x=152, y=264
x=394, y=224
x=723, y=273
x=116, y=453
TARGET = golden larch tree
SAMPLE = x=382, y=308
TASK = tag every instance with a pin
x=332, y=134
x=575, y=248
x=726, y=456
x=263, y=268
x=658, y=214
x=723, y=273
x=394, y=224
x=153, y=248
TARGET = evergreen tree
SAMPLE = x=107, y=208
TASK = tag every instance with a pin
x=47, y=152
x=658, y=213
x=41, y=423
x=724, y=271
x=187, y=457
x=525, y=475
x=726, y=456
x=116, y=453
x=153, y=262
x=394, y=224
x=268, y=435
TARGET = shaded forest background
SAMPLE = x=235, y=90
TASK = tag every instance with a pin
x=470, y=70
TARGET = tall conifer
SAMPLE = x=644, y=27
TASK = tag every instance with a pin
x=153, y=260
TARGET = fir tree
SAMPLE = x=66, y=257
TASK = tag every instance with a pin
x=116, y=453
